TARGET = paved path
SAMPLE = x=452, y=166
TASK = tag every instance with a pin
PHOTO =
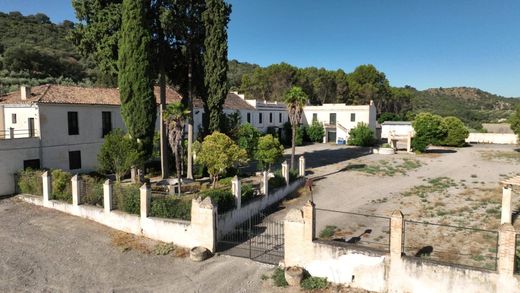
x=42, y=250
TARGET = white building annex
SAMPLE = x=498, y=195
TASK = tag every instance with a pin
x=339, y=119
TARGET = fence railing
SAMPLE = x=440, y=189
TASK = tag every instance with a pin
x=18, y=133
x=370, y=231
x=451, y=244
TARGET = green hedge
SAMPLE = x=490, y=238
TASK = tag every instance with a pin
x=248, y=193
x=61, y=185
x=223, y=198
x=93, y=194
x=171, y=207
x=127, y=198
x=30, y=182
x=277, y=181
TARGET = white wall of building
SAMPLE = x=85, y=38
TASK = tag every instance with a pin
x=344, y=119
x=13, y=153
x=21, y=125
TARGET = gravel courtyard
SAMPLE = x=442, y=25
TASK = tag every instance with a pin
x=47, y=251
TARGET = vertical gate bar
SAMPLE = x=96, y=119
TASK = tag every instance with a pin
x=249, y=233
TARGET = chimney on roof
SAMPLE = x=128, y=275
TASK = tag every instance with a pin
x=25, y=92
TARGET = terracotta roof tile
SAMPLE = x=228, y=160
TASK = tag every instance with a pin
x=61, y=94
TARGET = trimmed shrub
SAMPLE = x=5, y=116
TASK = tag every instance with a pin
x=269, y=150
x=225, y=181
x=315, y=132
x=247, y=138
x=314, y=283
x=457, y=132
x=293, y=175
x=127, y=198
x=61, y=185
x=277, y=181
x=248, y=193
x=429, y=129
x=30, y=182
x=361, y=135
x=93, y=194
x=223, y=198
x=171, y=207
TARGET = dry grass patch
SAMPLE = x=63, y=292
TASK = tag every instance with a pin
x=126, y=242
x=387, y=167
x=501, y=156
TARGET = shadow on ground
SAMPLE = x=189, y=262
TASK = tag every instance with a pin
x=320, y=158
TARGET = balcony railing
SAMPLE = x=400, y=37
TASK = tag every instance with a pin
x=12, y=133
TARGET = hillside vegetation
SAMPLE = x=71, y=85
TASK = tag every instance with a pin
x=34, y=51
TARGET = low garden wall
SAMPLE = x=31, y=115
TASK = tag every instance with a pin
x=392, y=272
x=495, y=138
x=197, y=232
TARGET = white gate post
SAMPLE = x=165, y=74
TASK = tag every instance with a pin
x=145, y=200
x=236, y=190
x=107, y=196
x=76, y=186
x=285, y=172
x=265, y=183
x=506, y=205
x=47, y=187
x=302, y=167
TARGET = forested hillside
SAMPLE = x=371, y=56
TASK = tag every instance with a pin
x=33, y=50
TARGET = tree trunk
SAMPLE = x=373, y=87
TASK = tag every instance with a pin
x=178, y=165
x=162, y=131
x=293, y=148
x=189, y=169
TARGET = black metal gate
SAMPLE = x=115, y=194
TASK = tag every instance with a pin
x=259, y=238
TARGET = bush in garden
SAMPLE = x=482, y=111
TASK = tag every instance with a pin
x=93, y=194
x=223, y=198
x=361, y=135
x=277, y=181
x=429, y=129
x=29, y=182
x=127, y=198
x=247, y=138
x=61, y=185
x=279, y=278
x=314, y=283
x=247, y=193
x=457, y=132
x=293, y=175
x=269, y=150
x=171, y=207
x=315, y=132
x=118, y=154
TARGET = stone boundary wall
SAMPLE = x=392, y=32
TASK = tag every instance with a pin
x=392, y=272
x=494, y=138
x=197, y=232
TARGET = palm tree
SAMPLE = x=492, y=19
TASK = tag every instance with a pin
x=295, y=99
x=175, y=117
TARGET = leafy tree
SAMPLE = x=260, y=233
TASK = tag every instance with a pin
x=269, y=150
x=295, y=99
x=457, y=132
x=175, y=117
x=316, y=132
x=138, y=105
x=366, y=83
x=429, y=129
x=216, y=18
x=218, y=153
x=118, y=154
x=515, y=121
x=361, y=135
x=236, y=70
x=247, y=138
x=387, y=116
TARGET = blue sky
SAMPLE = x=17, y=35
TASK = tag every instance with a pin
x=416, y=42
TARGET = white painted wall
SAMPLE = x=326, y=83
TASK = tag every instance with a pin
x=401, y=130
x=363, y=113
x=12, y=154
x=23, y=113
x=495, y=138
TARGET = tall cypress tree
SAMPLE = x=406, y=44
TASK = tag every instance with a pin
x=138, y=105
x=216, y=18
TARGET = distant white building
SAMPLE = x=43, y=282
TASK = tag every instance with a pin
x=339, y=119
x=396, y=128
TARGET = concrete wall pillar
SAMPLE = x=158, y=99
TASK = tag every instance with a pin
x=299, y=227
x=76, y=190
x=396, y=235
x=409, y=143
x=47, y=187
x=265, y=183
x=506, y=205
x=309, y=218
x=506, y=250
x=285, y=172
x=236, y=190
x=301, y=166
x=204, y=223
x=146, y=198
x=107, y=196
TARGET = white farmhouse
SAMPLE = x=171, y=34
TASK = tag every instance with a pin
x=339, y=119
x=54, y=126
